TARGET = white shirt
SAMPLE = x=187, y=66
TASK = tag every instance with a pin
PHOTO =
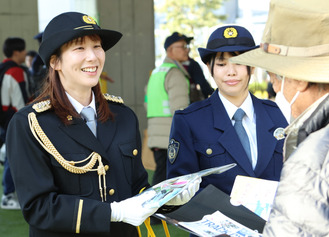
x=248, y=122
x=78, y=107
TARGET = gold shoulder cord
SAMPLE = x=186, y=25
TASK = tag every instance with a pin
x=44, y=141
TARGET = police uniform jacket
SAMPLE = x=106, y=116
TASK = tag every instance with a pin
x=202, y=136
x=56, y=202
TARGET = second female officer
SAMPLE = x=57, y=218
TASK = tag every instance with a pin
x=231, y=125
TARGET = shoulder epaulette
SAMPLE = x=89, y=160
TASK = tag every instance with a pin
x=269, y=102
x=113, y=98
x=194, y=107
x=42, y=106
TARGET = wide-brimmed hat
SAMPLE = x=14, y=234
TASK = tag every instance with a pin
x=174, y=37
x=230, y=38
x=295, y=41
x=71, y=25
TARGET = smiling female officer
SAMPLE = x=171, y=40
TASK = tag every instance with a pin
x=77, y=173
x=204, y=135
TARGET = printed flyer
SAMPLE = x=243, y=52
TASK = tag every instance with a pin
x=255, y=194
x=168, y=189
x=218, y=224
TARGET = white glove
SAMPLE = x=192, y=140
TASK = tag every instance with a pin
x=186, y=195
x=131, y=210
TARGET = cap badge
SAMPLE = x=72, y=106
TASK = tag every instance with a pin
x=88, y=20
x=230, y=33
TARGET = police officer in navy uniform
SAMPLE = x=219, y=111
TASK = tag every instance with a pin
x=77, y=174
x=204, y=135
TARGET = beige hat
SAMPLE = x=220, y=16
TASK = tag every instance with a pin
x=295, y=41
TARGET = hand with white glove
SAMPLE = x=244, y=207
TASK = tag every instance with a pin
x=131, y=210
x=186, y=195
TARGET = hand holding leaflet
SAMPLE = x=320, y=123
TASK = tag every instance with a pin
x=167, y=190
x=131, y=210
x=186, y=194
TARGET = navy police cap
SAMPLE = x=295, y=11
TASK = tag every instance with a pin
x=227, y=39
x=71, y=25
x=176, y=37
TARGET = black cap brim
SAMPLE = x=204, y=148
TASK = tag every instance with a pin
x=49, y=46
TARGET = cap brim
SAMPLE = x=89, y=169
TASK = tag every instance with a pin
x=312, y=69
x=204, y=53
x=48, y=46
x=189, y=39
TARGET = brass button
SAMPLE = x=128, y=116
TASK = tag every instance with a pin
x=135, y=152
x=106, y=167
x=111, y=192
x=209, y=151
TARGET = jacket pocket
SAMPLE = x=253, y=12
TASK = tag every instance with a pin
x=72, y=183
x=129, y=152
x=210, y=154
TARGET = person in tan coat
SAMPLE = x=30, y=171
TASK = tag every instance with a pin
x=167, y=91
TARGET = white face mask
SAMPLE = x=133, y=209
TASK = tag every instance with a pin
x=283, y=104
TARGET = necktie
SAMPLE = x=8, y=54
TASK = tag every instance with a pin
x=89, y=115
x=239, y=114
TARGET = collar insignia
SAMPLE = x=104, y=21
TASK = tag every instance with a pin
x=279, y=133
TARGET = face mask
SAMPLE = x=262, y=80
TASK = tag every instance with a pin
x=283, y=104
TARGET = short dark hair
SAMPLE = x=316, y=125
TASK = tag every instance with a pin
x=12, y=44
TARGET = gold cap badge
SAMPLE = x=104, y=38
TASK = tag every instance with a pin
x=88, y=20
x=230, y=32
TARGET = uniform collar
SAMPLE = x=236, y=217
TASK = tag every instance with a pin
x=230, y=108
x=78, y=107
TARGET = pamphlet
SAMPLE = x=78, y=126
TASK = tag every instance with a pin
x=255, y=194
x=170, y=188
x=218, y=224
x=209, y=200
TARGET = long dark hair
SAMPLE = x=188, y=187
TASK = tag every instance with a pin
x=54, y=90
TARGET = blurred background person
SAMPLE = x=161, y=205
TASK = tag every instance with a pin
x=14, y=96
x=167, y=91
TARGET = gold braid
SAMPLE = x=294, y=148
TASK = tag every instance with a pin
x=44, y=141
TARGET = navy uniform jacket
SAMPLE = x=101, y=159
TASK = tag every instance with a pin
x=202, y=136
x=56, y=202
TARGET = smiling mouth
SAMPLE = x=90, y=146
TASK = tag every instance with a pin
x=89, y=69
x=232, y=82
